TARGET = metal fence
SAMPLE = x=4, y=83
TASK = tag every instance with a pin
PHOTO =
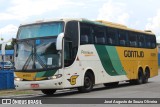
x=6, y=79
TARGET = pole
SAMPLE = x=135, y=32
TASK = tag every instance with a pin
x=3, y=50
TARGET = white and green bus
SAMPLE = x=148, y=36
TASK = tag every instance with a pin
x=78, y=53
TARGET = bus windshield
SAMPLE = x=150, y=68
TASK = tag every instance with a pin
x=40, y=30
x=37, y=54
x=36, y=46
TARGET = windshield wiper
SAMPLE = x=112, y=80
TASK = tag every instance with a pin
x=35, y=57
x=25, y=66
x=40, y=61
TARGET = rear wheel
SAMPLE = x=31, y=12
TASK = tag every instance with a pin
x=88, y=83
x=146, y=75
x=48, y=91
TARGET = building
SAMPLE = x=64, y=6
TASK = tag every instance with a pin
x=8, y=57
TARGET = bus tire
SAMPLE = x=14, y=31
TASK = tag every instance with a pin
x=140, y=76
x=113, y=84
x=88, y=83
x=146, y=75
x=48, y=91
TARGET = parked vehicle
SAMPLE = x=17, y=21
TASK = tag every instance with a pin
x=78, y=53
x=6, y=65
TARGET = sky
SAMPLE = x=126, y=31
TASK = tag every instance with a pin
x=137, y=14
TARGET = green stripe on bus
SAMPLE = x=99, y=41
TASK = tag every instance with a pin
x=46, y=73
x=40, y=74
x=110, y=60
x=114, y=57
x=105, y=60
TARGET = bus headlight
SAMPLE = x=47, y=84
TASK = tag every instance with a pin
x=55, y=76
x=18, y=79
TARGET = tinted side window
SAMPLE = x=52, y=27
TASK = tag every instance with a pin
x=132, y=37
x=122, y=37
x=141, y=42
x=70, y=42
x=112, y=37
x=86, y=34
x=99, y=35
x=147, y=41
x=153, y=41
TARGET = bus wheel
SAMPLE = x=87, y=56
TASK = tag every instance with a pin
x=140, y=77
x=113, y=84
x=88, y=83
x=48, y=91
x=146, y=75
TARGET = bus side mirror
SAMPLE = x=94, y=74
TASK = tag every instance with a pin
x=14, y=41
x=59, y=41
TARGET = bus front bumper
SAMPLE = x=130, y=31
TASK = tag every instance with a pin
x=38, y=85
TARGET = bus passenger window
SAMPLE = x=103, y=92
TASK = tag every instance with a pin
x=110, y=41
x=147, y=41
x=153, y=41
x=132, y=39
x=122, y=38
x=86, y=36
x=99, y=34
x=112, y=36
x=141, y=42
x=84, y=39
x=99, y=40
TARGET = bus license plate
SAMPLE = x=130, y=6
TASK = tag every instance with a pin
x=34, y=85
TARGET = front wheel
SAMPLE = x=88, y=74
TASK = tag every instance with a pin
x=88, y=83
x=48, y=91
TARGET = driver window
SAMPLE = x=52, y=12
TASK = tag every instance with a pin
x=70, y=43
x=67, y=52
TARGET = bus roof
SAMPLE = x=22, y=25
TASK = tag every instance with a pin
x=51, y=20
x=118, y=26
x=98, y=22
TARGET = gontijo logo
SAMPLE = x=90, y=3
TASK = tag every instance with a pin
x=136, y=54
x=72, y=79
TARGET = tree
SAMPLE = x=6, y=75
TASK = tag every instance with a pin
x=8, y=47
x=2, y=39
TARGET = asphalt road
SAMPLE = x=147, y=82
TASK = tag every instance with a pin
x=124, y=90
